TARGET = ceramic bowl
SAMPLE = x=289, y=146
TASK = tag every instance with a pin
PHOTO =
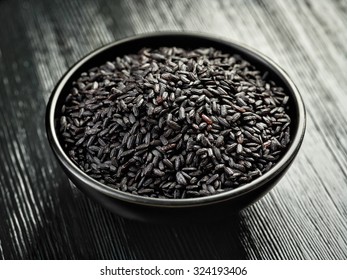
x=176, y=210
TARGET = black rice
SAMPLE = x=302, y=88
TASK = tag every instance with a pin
x=175, y=123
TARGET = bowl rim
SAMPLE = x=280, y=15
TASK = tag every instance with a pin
x=284, y=161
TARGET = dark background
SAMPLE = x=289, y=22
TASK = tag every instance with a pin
x=303, y=217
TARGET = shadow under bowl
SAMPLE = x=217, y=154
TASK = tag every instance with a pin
x=176, y=210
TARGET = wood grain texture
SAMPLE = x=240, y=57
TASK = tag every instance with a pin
x=303, y=217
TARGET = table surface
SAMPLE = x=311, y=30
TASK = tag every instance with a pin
x=303, y=217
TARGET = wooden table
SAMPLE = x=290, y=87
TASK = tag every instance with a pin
x=303, y=217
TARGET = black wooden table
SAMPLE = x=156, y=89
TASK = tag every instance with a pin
x=303, y=217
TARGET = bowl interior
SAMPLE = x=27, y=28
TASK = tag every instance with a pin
x=189, y=41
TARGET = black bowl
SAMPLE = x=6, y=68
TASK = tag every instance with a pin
x=176, y=210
